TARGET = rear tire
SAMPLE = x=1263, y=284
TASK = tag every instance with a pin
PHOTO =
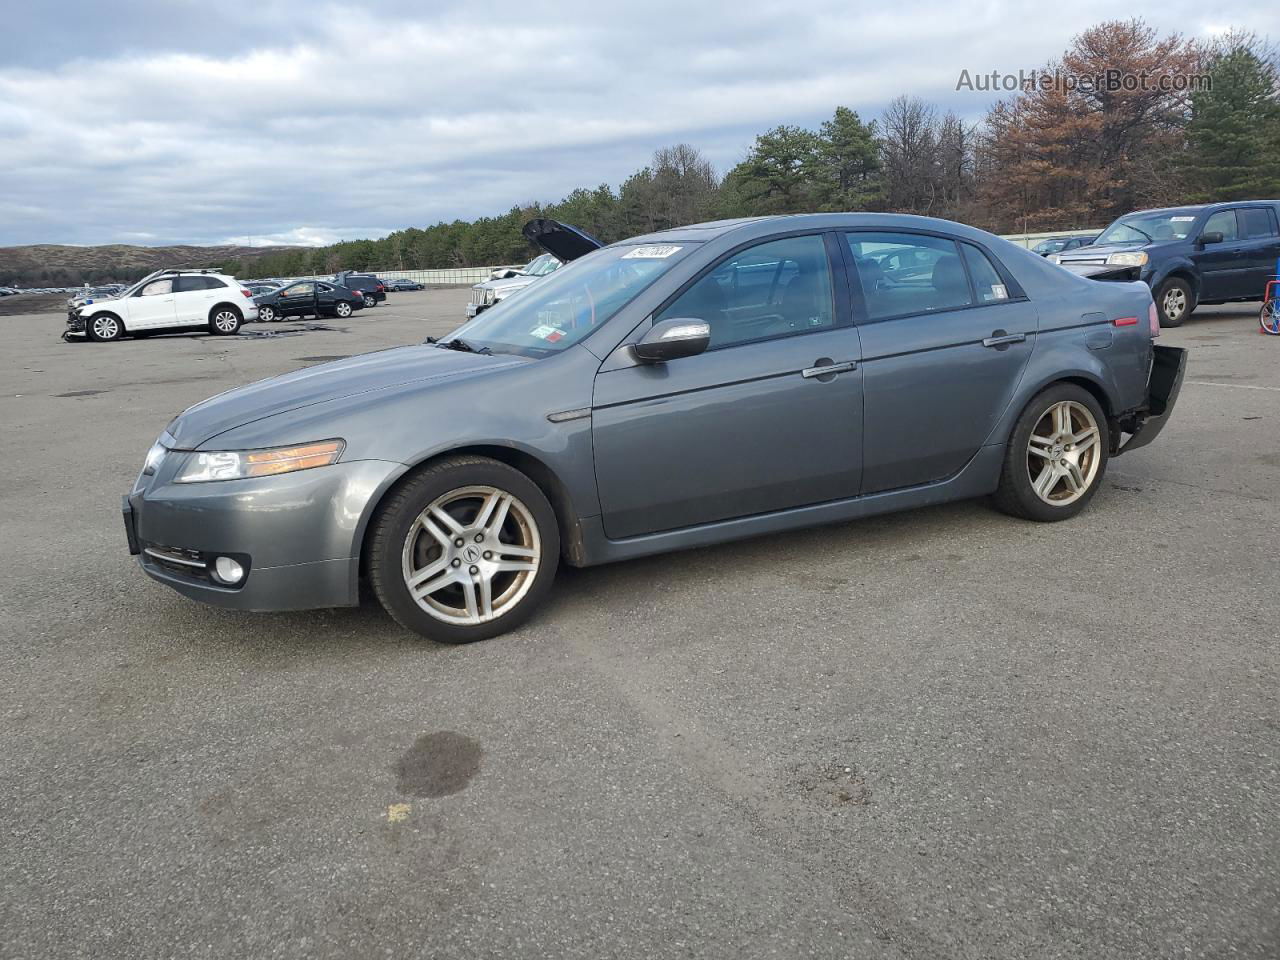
x=1056, y=456
x=478, y=530
x=342, y=309
x=1175, y=301
x=370, y=301
x=104, y=327
x=225, y=321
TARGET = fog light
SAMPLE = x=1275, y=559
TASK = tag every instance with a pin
x=227, y=570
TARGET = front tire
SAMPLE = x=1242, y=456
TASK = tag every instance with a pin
x=342, y=309
x=1056, y=456
x=104, y=327
x=225, y=321
x=464, y=550
x=267, y=314
x=1175, y=300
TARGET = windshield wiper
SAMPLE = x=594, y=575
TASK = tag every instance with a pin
x=457, y=343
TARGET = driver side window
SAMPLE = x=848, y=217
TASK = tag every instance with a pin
x=1223, y=222
x=156, y=288
x=773, y=289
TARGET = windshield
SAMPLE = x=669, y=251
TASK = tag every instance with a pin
x=1050, y=246
x=1158, y=227
x=558, y=312
x=540, y=266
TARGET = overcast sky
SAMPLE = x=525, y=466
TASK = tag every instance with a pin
x=296, y=122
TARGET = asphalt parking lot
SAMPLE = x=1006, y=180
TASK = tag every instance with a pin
x=938, y=734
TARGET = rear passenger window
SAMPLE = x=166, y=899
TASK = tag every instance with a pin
x=986, y=279
x=903, y=273
x=1256, y=222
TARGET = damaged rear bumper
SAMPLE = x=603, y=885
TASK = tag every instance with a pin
x=1168, y=366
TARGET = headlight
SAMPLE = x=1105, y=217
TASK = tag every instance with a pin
x=154, y=456
x=239, y=464
x=1137, y=259
x=503, y=292
x=1055, y=258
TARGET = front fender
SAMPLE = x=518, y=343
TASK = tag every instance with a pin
x=1180, y=265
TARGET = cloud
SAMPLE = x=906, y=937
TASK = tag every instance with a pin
x=285, y=121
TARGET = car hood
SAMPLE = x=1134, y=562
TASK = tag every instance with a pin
x=351, y=377
x=562, y=241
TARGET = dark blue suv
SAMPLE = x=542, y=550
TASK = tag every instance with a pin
x=1214, y=253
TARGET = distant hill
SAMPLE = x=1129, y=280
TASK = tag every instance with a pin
x=52, y=265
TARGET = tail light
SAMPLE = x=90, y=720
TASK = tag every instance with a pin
x=1153, y=320
x=381, y=288
x=246, y=293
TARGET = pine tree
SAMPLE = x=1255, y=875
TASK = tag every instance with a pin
x=1233, y=148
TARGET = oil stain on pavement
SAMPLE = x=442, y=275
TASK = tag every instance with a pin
x=438, y=764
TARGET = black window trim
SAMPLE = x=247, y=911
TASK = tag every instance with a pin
x=1012, y=287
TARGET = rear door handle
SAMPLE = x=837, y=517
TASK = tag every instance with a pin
x=999, y=338
x=828, y=369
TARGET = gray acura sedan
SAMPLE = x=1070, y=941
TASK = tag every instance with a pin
x=706, y=383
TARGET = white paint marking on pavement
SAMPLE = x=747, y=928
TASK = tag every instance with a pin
x=1238, y=386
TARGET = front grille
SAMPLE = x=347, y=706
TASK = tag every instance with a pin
x=478, y=295
x=1091, y=260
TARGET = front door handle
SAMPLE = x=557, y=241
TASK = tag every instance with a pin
x=999, y=339
x=827, y=369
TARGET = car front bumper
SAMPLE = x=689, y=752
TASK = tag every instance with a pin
x=475, y=309
x=296, y=535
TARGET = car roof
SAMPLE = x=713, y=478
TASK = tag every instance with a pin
x=748, y=228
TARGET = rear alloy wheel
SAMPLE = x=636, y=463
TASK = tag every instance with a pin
x=465, y=550
x=104, y=327
x=342, y=308
x=370, y=301
x=1056, y=456
x=267, y=314
x=225, y=321
x=1175, y=301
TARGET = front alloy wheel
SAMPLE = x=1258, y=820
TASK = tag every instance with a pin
x=105, y=327
x=1056, y=456
x=464, y=549
x=1175, y=301
x=267, y=314
x=471, y=555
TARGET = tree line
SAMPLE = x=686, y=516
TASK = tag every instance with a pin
x=1047, y=157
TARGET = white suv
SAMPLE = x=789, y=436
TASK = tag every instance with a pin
x=166, y=300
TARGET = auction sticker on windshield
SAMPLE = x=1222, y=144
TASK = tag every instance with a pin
x=655, y=252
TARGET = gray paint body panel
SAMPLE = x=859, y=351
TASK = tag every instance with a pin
x=729, y=443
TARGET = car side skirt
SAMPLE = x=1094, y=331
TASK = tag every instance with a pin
x=976, y=479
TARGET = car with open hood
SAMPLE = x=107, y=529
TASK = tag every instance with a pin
x=572, y=243
x=723, y=380
x=1207, y=254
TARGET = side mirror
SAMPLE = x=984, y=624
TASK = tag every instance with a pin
x=1214, y=237
x=673, y=339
